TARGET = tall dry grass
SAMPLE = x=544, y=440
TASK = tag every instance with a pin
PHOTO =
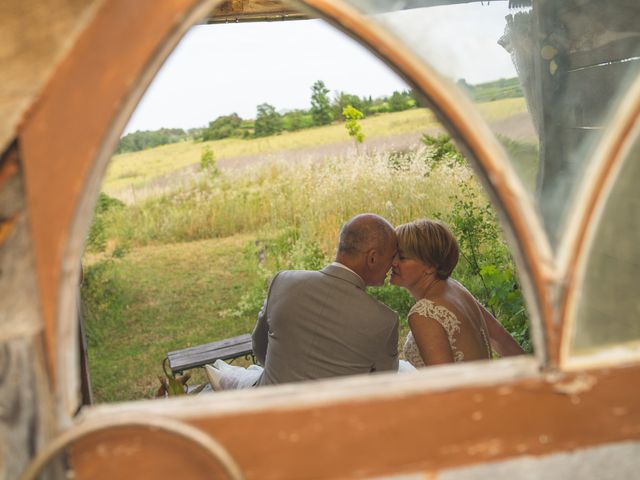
x=314, y=197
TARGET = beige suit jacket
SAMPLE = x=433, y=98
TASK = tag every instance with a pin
x=318, y=324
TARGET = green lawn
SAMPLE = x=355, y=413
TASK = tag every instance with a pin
x=158, y=299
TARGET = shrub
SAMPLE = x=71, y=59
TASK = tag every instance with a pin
x=223, y=127
x=97, y=237
x=352, y=115
x=208, y=162
x=268, y=121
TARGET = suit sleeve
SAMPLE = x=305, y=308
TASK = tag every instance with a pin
x=260, y=335
x=388, y=360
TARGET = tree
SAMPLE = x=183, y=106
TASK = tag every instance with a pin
x=320, y=104
x=141, y=140
x=268, y=121
x=400, y=101
x=208, y=162
x=343, y=99
x=297, y=120
x=223, y=127
x=352, y=115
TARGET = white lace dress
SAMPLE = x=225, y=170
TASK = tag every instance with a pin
x=449, y=322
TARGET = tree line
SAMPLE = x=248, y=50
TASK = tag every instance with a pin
x=324, y=110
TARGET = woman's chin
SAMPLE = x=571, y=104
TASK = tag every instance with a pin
x=394, y=280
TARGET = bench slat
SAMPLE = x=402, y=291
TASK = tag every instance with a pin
x=228, y=348
x=213, y=346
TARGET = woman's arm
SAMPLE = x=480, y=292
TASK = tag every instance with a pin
x=501, y=340
x=432, y=340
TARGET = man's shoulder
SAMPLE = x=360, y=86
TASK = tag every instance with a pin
x=296, y=274
x=383, y=309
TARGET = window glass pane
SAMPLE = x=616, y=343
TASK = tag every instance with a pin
x=609, y=306
x=544, y=75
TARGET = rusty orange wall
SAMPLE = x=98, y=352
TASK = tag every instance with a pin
x=61, y=135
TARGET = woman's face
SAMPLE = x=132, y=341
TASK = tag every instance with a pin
x=405, y=271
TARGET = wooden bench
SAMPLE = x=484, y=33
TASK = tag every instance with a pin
x=226, y=349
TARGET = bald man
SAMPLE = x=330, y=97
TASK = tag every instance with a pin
x=319, y=324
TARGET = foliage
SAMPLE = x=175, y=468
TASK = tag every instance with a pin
x=342, y=100
x=268, y=121
x=296, y=120
x=487, y=268
x=320, y=104
x=352, y=115
x=141, y=140
x=208, y=162
x=288, y=250
x=223, y=127
x=322, y=112
x=442, y=150
x=97, y=238
x=400, y=101
x=131, y=172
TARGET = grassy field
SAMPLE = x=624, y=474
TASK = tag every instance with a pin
x=158, y=299
x=192, y=266
x=135, y=169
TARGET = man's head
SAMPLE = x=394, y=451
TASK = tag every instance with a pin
x=367, y=246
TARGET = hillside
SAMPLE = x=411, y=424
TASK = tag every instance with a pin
x=139, y=168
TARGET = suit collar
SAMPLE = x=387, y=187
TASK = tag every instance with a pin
x=344, y=273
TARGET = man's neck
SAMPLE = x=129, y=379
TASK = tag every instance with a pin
x=351, y=266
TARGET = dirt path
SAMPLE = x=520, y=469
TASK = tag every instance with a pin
x=380, y=144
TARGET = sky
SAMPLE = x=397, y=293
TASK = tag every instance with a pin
x=220, y=69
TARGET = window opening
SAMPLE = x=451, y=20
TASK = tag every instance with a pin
x=194, y=219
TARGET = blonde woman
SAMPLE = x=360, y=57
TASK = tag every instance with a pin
x=447, y=323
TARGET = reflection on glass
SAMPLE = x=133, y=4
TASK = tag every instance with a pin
x=608, y=311
x=545, y=76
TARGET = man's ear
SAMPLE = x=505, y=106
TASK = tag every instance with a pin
x=372, y=257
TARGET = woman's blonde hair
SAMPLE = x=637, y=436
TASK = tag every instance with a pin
x=430, y=241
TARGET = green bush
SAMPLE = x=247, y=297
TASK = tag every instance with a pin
x=98, y=236
x=288, y=250
x=208, y=162
x=354, y=129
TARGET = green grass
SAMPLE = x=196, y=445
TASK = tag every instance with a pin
x=158, y=299
x=138, y=168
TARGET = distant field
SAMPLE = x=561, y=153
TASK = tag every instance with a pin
x=138, y=168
